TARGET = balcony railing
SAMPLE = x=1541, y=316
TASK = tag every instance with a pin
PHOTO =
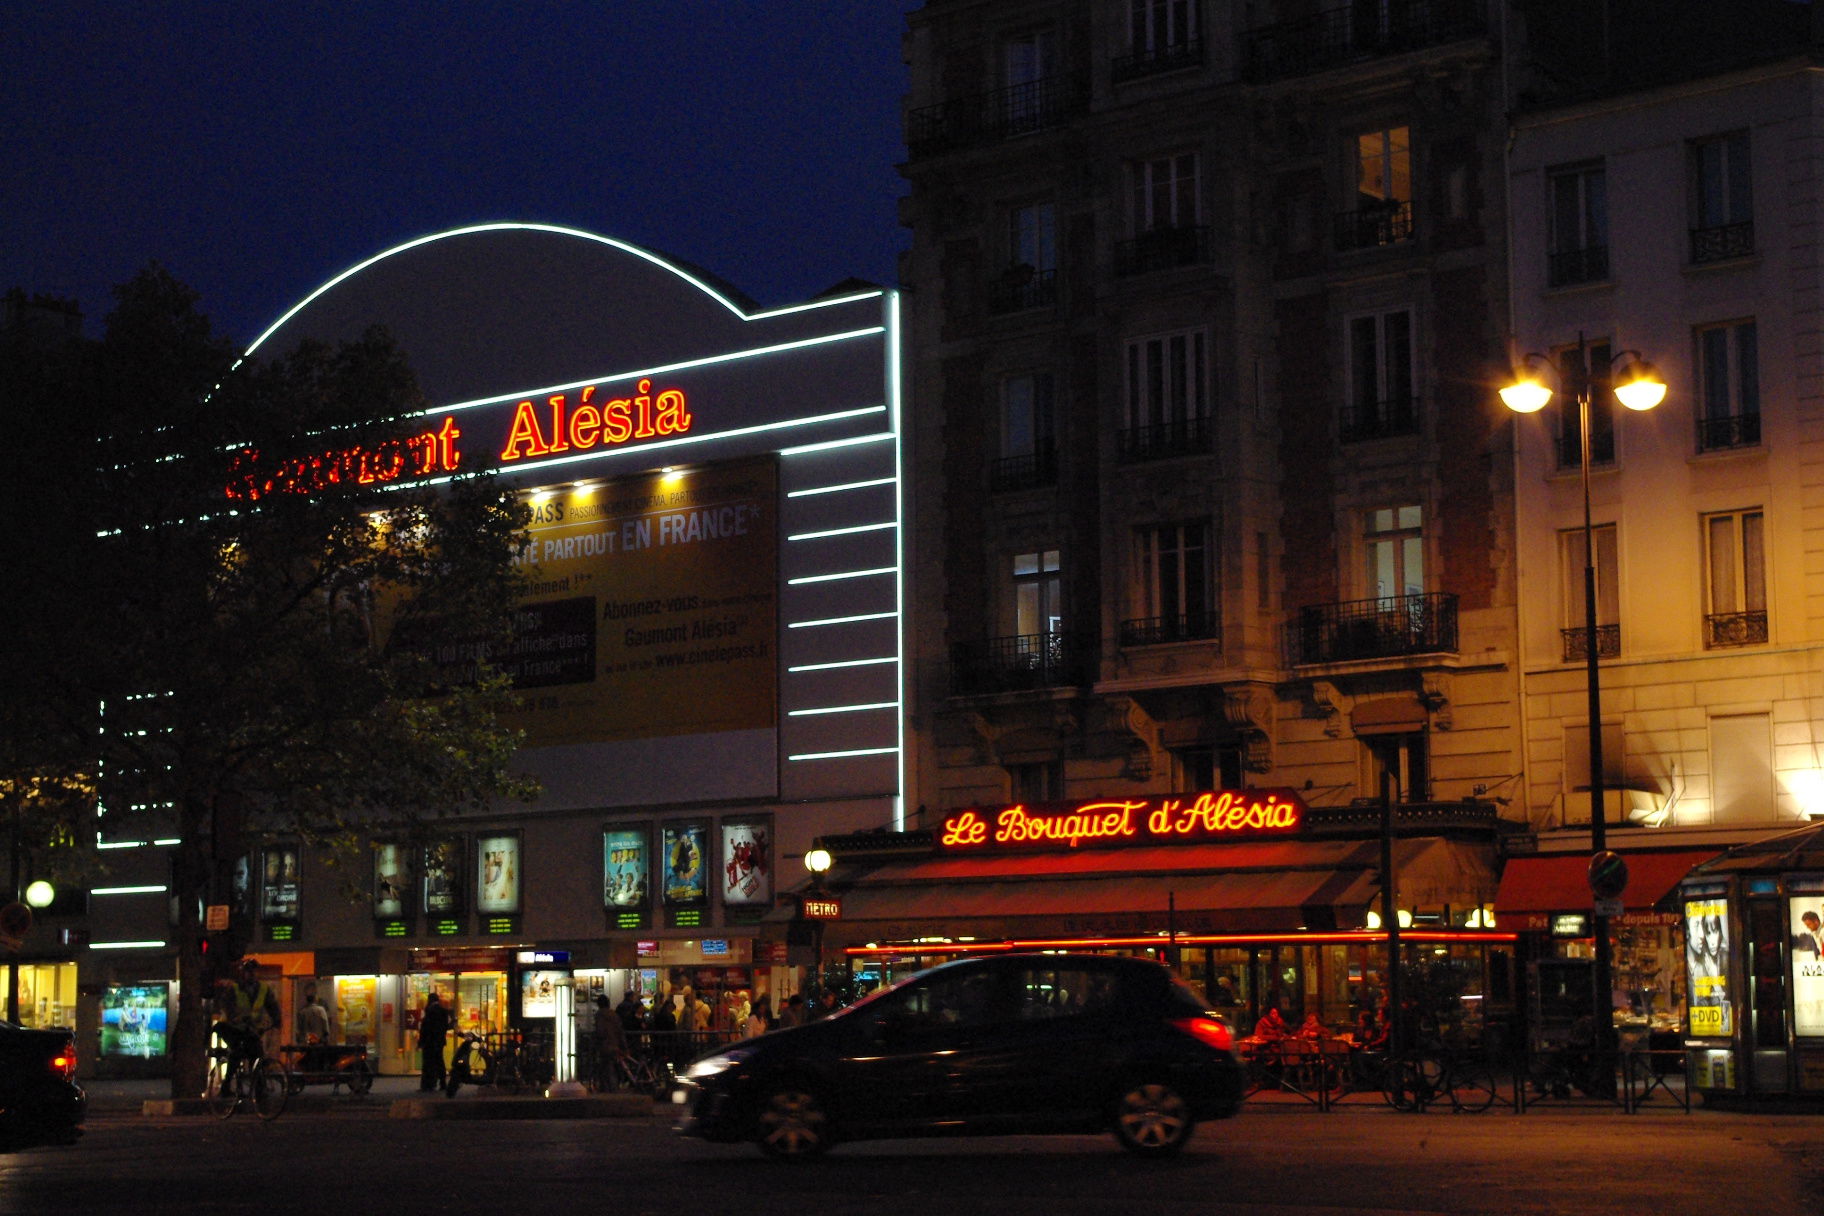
x=1570, y=446
x=1154, y=60
x=1576, y=644
x=1354, y=33
x=1378, y=629
x=1000, y=114
x=1729, y=431
x=1722, y=242
x=1027, y=472
x=1024, y=661
x=1184, y=627
x=1723, y=629
x=1569, y=266
x=1164, y=249
x=1380, y=419
x=1159, y=441
x=1021, y=287
x=1386, y=223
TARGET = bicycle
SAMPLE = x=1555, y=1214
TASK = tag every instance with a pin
x=240, y=1078
x=1418, y=1079
x=519, y=1064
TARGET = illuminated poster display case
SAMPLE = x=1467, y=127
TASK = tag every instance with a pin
x=627, y=875
x=279, y=893
x=393, y=911
x=134, y=1020
x=684, y=854
x=497, y=881
x=441, y=878
x=746, y=868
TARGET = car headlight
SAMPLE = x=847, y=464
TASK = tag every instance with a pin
x=710, y=1066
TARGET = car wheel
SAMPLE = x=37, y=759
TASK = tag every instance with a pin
x=792, y=1125
x=1152, y=1119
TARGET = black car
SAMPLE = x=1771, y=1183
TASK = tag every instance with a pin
x=40, y=1102
x=987, y=1046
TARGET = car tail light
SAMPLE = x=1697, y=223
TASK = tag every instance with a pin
x=1212, y=1031
x=64, y=1063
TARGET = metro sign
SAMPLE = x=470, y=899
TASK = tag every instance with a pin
x=1179, y=818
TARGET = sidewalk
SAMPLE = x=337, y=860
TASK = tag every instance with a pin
x=399, y=1096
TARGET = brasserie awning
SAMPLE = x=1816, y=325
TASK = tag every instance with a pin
x=1560, y=883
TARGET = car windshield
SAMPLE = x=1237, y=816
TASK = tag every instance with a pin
x=878, y=992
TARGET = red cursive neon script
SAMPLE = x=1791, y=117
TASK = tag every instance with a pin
x=418, y=456
x=1214, y=815
x=561, y=428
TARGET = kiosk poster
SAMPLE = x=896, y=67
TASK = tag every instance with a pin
x=279, y=884
x=497, y=873
x=1807, y=913
x=539, y=992
x=389, y=881
x=747, y=876
x=626, y=876
x=355, y=996
x=1707, y=965
x=686, y=871
x=443, y=877
x=133, y=1020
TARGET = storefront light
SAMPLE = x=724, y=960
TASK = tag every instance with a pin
x=1374, y=919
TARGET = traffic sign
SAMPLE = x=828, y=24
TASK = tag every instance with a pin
x=1608, y=875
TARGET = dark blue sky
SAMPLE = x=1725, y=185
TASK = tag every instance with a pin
x=258, y=147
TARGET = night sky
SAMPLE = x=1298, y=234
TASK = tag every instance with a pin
x=258, y=147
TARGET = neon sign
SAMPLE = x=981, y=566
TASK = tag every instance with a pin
x=1218, y=815
x=642, y=416
x=418, y=456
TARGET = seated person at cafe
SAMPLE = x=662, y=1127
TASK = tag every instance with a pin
x=1370, y=1032
x=1272, y=1026
x=1311, y=1028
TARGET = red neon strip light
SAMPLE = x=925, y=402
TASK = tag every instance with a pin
x=1364, y=936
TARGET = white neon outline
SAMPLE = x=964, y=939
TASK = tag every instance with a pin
x=126, y=945
x=883, y=437
x=843, y=620
x=859, y=751
x=121, y=844
x=127, y=890
x=836, y=578
x=895, y=424
x=829, y=532
x=844, y=663
x=834, y=709
x=560, y=230
x=853, y=485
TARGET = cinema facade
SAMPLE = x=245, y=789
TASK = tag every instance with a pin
x=708, y=652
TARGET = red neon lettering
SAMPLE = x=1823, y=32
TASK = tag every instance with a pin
x=558, y=442
x=525, y=431
x=1216, y=814
x=617, y=422
x=251, y=479
x=674, y=417
x=964, y=830
x=586, y=422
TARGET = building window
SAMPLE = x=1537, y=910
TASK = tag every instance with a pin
x=1722, y=198
x=1383, y=191
x=1394, y=541
x=1174, y=586
x=1196, y=769
x=1028, y=455
x=1162, y=35
x=1029, y=278
x=1028, y=62
x=1577, y=767
x=1163, y=216
x=1571, y=611
x=1405, y=757
x=1167, y=396
x=1596, y=367
x=1380, y=377
x=1729, y=386
x=1039, y=781
x=1735, y=609
x=1038, y=594
x=1579, y=237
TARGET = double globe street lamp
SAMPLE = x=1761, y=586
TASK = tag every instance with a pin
x=1638, y=387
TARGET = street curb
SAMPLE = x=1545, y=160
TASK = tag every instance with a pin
x=595, y=1106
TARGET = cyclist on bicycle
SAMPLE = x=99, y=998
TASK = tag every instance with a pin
x=248, y=1010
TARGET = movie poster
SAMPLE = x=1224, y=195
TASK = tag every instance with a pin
x=686, y=864
x=355, y=1005
x=279, y=884
x=442, y=872
x=538, y=993
x=133, y=1020
x=497, y=873
x=1807, y=913
x=747, y=875
x=389, y=881
x=626, y=873
x=1707, y=966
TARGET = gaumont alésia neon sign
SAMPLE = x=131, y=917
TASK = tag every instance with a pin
x=1216, y=815
x=556, y=426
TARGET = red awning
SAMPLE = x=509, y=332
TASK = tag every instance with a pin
x=1561, y=883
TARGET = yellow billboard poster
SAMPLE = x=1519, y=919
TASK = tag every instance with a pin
x=652, y=607
x=1707, y=967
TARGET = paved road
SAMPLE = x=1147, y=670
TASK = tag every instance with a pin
x=1272, y=1163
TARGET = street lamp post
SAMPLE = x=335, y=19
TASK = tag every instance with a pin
x=1641, y=388
x=818, y=861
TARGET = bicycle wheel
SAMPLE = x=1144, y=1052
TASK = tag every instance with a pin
x=219, y=1089
x=360, y=1077
x=1472, y=1087
x=271, y=1089
x=1408, y=1087
x=509, y=1070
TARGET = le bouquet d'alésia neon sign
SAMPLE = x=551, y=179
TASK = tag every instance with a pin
x=1212, y=816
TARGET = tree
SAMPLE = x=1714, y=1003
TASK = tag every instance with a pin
x=260, y=613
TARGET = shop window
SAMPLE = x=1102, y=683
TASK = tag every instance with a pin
x=1572, y=610
x=1729, y=386
x=1735, y=610
x=1579, y=236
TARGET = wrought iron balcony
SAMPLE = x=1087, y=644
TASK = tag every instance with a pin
x=1570, y=266
x=1164, y=249
x=1184, y=627
x=1387, y=223
x=1027, y=472
x=1570, y=444
x=1154, y=60
x=1380, y=419
x=1723, y=629
x=1355, y=33
x=1729, y=431
x=1021, y=287
x=1001, y=114
x=1378, y=629
x=1159, y=441
x=1023, y=661
x=1576, y=644
x=1722, y=242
